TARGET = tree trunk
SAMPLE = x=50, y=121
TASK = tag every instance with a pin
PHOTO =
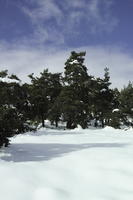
x=43, y=124
x=95, y=124
x=69, y=124
x=56, y=123
x=102, y=121
x=52, y=123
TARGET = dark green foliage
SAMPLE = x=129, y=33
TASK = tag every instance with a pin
x=12, y=116
x=73, y=110
x=3, y=73
x=55, y=88
x=126, y=104
x=115, y=120
x=44, y=91
x=11, y=123
x=73, y=96
x=75, y=70
x=116, y=115
x=13, y=76
x=103, y=99
x=76, y=98
x=38, y=99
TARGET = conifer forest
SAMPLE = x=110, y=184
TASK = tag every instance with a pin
x=74, y=97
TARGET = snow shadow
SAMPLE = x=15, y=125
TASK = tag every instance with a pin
x=55, y=132
x=43, y=152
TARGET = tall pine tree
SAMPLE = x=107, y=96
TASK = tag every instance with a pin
x=72, y=97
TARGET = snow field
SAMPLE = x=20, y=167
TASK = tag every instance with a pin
x=73, y=165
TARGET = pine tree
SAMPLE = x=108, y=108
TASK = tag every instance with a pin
x=12, y=119
x=44, y=91
x=116, y=115
x=126, y=104
x=72, y=97
x=39, y=96
x=55, y=87
x=103, y=98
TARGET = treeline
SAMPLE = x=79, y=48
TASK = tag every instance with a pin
x=74, y=97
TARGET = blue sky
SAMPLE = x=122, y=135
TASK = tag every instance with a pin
x=41, y=33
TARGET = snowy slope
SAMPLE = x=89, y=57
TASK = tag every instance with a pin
x=68, y=165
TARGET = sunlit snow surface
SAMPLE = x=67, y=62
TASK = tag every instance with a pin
x=68, y=165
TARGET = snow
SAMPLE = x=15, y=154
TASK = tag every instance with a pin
x=68, y=165
x=74, y=62
x=103, y=90
x=116, y=110
x=8, y=80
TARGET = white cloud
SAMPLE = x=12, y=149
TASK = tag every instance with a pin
x=67, y=16
x=99, y=12
x=44, y=10
x=24, y=61
x=119, y=63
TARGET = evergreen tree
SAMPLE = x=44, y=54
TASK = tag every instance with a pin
x=72, y=97
x=39, y=96
x=116, y=116
x=3, y=74
x=44, y=91
x=55, y=87
x=103, y=99
x=126, y=104
x=12, y=119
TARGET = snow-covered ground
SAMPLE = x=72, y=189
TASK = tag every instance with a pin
x=68, y=165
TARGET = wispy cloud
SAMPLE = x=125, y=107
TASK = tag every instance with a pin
x=53, y=23
x=52, y=19
x=43, y=10
x=99, y=12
